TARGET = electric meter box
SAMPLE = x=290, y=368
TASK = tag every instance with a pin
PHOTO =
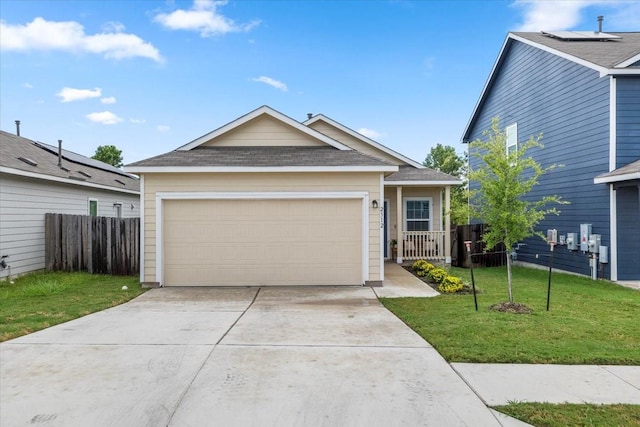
x=604, y=254
x=585, y=232
x=594, y=243
x=572, y=241
x=552, y=236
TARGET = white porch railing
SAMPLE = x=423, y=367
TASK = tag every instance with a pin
x=423, y=245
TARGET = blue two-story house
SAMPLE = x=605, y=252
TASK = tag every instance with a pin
x=581, y=90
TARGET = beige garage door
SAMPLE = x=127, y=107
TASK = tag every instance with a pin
x=262, y=242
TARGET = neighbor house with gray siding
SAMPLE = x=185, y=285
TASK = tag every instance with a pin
x=36, y=179
x=581, y=90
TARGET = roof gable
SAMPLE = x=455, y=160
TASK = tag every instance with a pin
x=243, y=132
x=609, y=57
x=360, y=142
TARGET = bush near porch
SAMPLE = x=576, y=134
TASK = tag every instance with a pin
x=438, y=278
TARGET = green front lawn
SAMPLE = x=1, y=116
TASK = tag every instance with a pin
x=568, y=415
x=590, y=322
x=37, y=301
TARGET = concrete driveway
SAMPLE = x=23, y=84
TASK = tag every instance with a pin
x=235, y=357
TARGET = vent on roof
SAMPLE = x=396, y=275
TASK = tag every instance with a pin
x=119, y=182
x=65, y=169
x=77, y=178
x=28, y=161
x=84, y=174
x=580, y=35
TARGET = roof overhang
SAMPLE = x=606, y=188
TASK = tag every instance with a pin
x=264, y=110
x=256, y=169
x=364, y=139
x=420, y=183
x=610, y=179
x=18, y=172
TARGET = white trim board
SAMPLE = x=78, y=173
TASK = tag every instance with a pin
x=18, y=172
x=142, y=225
x=612, y=123
x=264, y=110
x=420, y=183
x=258, y=169
x=270, y=195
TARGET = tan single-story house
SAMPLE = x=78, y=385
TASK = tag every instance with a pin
x=267, y=200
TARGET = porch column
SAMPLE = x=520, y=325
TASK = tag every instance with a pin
x=447, y=225
x=399, y=224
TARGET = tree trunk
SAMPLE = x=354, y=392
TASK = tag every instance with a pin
x=509, y=277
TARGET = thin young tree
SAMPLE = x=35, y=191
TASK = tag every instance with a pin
x=504, y=179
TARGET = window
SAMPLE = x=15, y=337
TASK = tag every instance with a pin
x=118, y=208
x=417, y=214
x=512, y=138
x=93, y=207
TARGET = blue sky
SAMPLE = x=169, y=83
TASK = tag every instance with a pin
x=149, y=76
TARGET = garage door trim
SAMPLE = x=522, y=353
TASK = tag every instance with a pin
x=161, y=196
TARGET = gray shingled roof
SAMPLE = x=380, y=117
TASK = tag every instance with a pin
x=633, y=167
x=12, y=147
x=260, y=157
x=409, y=173
x=606, y=54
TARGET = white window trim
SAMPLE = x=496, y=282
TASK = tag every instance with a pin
x=506, y=142
x=420, y=199
x=89, y=200
x=162, y=196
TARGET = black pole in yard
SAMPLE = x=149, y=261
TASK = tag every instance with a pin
x=549, y=284
x=467, y=243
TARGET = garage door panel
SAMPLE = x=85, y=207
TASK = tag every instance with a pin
x=262, y=242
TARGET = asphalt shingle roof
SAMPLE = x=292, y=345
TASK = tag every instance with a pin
x=606, y=54
x=633, y=167
x=260, y=157
x=409, y=173
x=12, y=147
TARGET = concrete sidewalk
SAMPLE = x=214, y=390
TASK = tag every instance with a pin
x=399, y=283
x=499, y=384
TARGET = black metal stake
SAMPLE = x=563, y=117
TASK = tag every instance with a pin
x=549, y=284
x=473, y=280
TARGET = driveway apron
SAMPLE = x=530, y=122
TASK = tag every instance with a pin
x=321, y=356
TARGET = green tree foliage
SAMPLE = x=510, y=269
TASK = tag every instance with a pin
x=109, y=154
x=505, y=178
x=445, y=159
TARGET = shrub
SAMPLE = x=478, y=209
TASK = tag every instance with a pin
x=450, y=285
x=437, y=275
x=422, y=267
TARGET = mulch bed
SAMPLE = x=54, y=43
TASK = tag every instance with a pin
x=511, y=307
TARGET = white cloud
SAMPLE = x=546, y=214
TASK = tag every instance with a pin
x=550, y=15
x=138, y=121
x=113, y=27
x=69, y=36
x=69, y=94
x=104, y=117
x=27, y=85
x=271, y=82
x=163, y=128
x=370, y=133
x=109, y=100
x=203, y=18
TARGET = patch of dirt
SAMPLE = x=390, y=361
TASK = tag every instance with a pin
x=511, y=307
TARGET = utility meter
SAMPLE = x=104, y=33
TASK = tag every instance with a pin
x=572, y=241
x=604, y=254
x=585, y=232
x=594, y=243
x=552, y=236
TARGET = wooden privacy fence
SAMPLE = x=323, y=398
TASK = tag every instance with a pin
x=94, y=244
x=480, y=258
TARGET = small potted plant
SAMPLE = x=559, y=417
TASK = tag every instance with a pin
x=394, y=248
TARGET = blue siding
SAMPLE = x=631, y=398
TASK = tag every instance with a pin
x=569, y=104
x=628, y=120
x=628, y=209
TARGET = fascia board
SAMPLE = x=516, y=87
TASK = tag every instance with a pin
x=420, y=183
x=364, y=139
x=256, y=113
x=250, y=169
x=616, y=178
x=18, y=172
x=632, y=60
